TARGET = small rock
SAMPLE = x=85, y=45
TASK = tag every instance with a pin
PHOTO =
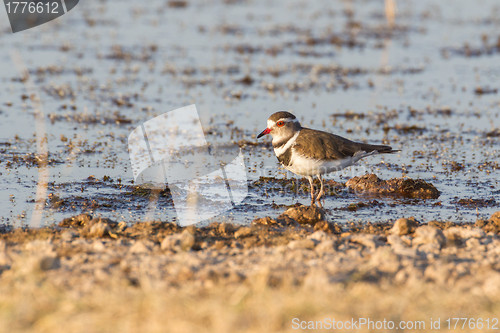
x=318, y=236
x=316, y=279
x=179, y=242
x=326, y=246
x=404, y=226
x=98, y=230
x=285, y=220
x=463, y=233
x=68, y=235
x=491, y=225
x=305, y=214
x=404, y=187
x=243, y=232
x=327, y=227
x=76, y=221
x=396, y=241
x=302, y=244
x=495, y=218
x=385, y=260
x=492, y=285
x=39, y=246
x=187, y=240
x=265, y=221
x=225, y=228
x=141, y=247
x=121, y=226
x=473, y=243
x=429, y=235
x=49, y=262
x=438, y=273
x=367, y=240
x=98, y=246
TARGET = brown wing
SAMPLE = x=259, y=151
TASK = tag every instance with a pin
x=323, y=145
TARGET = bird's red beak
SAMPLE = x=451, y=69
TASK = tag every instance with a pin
x=264, y=132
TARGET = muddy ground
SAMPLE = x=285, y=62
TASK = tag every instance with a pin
x=94, y=274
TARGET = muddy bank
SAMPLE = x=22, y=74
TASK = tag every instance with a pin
x=238, y=278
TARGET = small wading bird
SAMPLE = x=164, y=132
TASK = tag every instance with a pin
x=307, y=152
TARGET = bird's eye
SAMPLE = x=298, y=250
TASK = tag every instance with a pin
x=280, y=123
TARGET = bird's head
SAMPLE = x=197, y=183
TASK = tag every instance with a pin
x=281, y=124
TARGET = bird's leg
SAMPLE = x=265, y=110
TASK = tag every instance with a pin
x=310, y=179
x=321, y=192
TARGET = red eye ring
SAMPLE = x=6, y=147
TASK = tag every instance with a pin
x=280, y=123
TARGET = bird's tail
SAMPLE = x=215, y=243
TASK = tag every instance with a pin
x=381, y=149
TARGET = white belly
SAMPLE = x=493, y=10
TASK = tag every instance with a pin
x=304, y=166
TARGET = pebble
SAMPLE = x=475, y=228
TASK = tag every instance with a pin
x=429, y=235
x=385, y=260
x=462, y=233
x=98, y=230
x=68, y=235
x=265, y=221
x=495, y=218
x=305, y=214
x=302, y=244
x=139, y=247
x=179, y=242
x=243, y=232
x=326, y=246
x=404, y=226
x=318, y=236
x=49, y=262
x=367, y=240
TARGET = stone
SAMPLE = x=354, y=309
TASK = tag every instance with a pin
x=98, y=246
x=76, y=221
x=49, y=262
x=141, y=247
x=404, y=226
x=491, y=225
x=243, y=232
x=367, y=240
x=187, y=240
x=404, y=187
x=302, y=244
x=473, y=243
x=179, y=242
x=318, y=236
x=385, y=260
x=495, y=218
x=327, y=227
x=325, y=246
x=396, y=242
x=305, y=214
x=458, y=235
x=39, y=246
x=265, y=221
x=68, y=235
x=98, y=230
x=429, y=235
x=225, y=228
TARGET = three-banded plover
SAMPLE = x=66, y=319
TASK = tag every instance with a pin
x=307, y=152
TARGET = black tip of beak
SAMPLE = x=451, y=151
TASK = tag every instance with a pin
x=264, y=132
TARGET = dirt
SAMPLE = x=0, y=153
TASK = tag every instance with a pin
x=403, y=187
x=79, y=274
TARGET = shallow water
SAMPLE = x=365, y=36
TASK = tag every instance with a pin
x=105, y=68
